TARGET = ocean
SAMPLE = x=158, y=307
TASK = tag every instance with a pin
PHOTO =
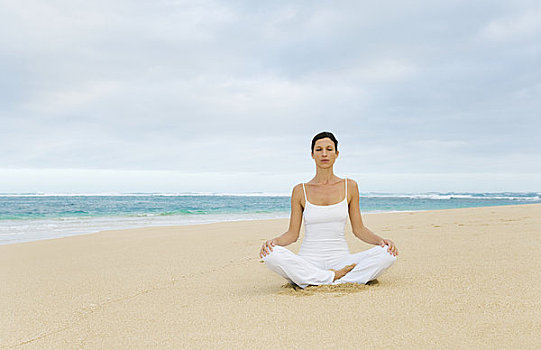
x=32, y=216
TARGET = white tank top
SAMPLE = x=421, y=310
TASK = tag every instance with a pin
x=324, y=229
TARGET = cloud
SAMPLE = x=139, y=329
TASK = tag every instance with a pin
x=515, y=27
x=242, y=86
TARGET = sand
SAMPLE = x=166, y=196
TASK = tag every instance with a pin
x=465, y=278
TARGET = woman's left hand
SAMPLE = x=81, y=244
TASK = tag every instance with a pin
x=392, y=248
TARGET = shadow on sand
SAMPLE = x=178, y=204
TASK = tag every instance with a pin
x=337, y=290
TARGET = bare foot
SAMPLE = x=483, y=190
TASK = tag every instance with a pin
x=342, y=272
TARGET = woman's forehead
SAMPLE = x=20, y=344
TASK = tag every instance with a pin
x=324, y=142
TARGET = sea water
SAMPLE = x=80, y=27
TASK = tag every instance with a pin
x=33, y=216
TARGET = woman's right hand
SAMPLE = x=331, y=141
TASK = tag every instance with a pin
x=267, y=247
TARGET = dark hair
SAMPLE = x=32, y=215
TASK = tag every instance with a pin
x=323, y=135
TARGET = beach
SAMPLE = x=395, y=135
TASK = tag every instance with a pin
x=464, y=278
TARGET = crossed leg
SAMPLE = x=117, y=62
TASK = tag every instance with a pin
x=371, y=263
x=296, y=269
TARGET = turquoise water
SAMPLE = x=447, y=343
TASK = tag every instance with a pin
x=28, y=217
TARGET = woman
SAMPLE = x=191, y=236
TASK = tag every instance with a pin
x=324, y=256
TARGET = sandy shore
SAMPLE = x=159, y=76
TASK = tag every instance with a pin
x=465, y=278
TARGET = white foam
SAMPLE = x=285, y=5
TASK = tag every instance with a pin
x=17, y=231
x=447, y=196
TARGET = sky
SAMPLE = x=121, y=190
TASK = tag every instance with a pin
x=226, y=96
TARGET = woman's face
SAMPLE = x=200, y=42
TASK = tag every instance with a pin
x=324, y=153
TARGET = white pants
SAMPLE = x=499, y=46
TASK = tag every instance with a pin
x=304, y=271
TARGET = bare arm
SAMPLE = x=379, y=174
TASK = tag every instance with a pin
x=295, y=220
x=359, y=230
x=357, y=226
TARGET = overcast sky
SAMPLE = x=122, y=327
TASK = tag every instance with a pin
x=177, y=96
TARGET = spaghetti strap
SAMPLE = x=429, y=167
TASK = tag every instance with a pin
x=304, y=189
x=346, y=189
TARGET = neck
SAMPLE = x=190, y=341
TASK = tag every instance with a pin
x=324, y=176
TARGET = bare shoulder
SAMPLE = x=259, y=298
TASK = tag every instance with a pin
x=297, y=196
x=297, y=191
x=353, y=188
x=352, y=183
